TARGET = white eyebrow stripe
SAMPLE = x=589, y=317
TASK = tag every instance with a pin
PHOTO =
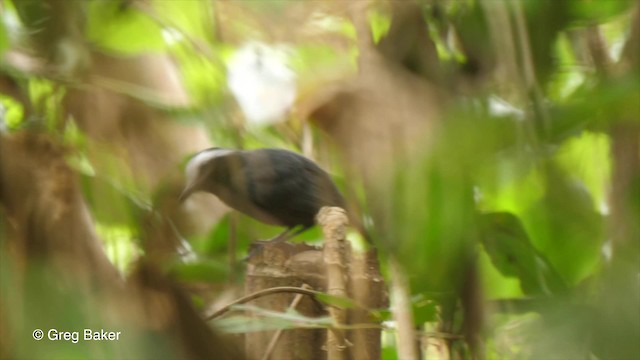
x=202, y=157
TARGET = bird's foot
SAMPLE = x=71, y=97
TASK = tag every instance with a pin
x=256, y=248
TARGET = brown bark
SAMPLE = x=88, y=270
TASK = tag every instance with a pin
x=47, y=217
x=335, y=270
x=368, y=289
x=333, y=222
x=53, y=262
x=284, y=264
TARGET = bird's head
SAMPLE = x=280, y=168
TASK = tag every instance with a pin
x=198, y=170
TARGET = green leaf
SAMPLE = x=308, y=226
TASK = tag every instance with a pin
x=4, y=38
x=204, y=79
x=382, y=314
x=554, y=16
x=432, y=221
x=217, y=239
x=379, y=23
x=588, y=12
x=119, y=245
x=508, y=245
x=510, y=183
x=111, y=202
x=569, y=75
x=341, y=302
x=266, y=320
x=424, y=309
x=496, y=285
x=192, y=18
x=241, y=324
x=586, y=159
x=566, y=227
x=123, y=30
x=13, y=113
x=201, y=271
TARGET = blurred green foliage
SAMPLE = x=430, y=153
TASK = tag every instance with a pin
x=124, y=31
x=529, y=207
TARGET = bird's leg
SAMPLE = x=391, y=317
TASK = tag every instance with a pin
x=283, y=236
x=256, y=246
x=286, y=235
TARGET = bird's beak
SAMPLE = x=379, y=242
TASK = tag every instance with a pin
x=185, y=193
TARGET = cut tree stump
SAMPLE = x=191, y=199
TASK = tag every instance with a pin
x=298, y=265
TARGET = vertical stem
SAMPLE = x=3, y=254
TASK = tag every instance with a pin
x=402, y=313
x=528, y=69
x=334, y=221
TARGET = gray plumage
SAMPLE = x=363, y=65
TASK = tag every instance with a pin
x=275, y=186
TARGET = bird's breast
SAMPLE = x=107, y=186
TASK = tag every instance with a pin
x=243, y=203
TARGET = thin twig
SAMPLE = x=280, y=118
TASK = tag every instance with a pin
x=261, y=293
x=528, y=68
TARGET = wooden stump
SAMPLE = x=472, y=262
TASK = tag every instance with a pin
x=350, y=274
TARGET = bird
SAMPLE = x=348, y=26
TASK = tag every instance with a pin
x=274, y=186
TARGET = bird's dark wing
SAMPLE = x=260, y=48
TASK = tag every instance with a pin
x=289, y=186
x=226, y=178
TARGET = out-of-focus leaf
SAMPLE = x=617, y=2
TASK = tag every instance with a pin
x=119, y=245
x=46, y=95
x=33, y=14
x=80, y=162
x=201, y=271
x=72, y=135
x=588, y=12
x=11, y=112
x=432, y=223
x=424, y=310
x=379, y=23
x=554, y=16
x=496, y=285
x=616, y=324
x=239, y=324
x=586, y=158
x=507, y=243
x=314, y=64
x=433, y=208
x=110, y=203
x=341, y=302
x=569, y=76
x=596, y=108
x=191, y=17
x=322, y=22
x=4, y=38
x=563, y=330
x=473, y=29
x=204, y=78
x=123, y=30
x=389, y=346
x=314, y=57
x=269, y=320
x=382, y=314
x=217, y=239
x=510, y=183
x=565, y=226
